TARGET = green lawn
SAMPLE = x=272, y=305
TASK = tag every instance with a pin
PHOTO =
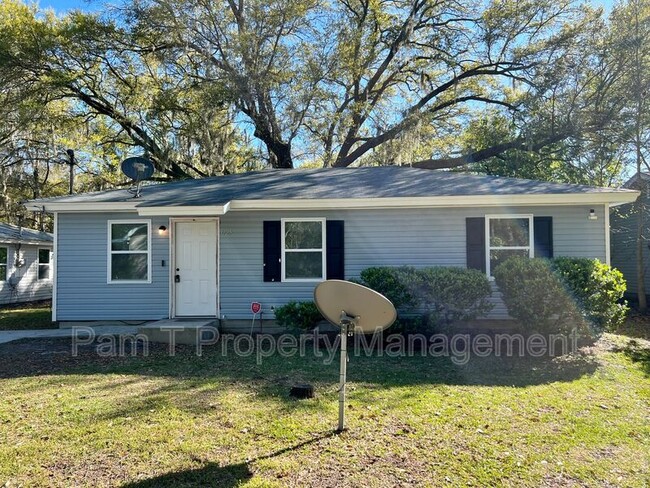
x=26, y=316
x=226, y=421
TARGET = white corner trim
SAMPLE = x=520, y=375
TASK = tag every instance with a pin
x=55, y=259
x=608, y=251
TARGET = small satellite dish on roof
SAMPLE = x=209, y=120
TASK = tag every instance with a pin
x=138, y=169
x=355, y=309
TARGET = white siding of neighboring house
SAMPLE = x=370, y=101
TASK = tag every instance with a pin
x=22, y=283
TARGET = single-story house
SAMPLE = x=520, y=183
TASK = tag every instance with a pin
x=624, y=227
x=25, y=264
x=210, y=247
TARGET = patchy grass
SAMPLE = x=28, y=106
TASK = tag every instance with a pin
x=26, y=316
x=224, y=420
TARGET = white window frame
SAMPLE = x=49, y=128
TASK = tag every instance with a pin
x=5, y=264
x=39, y=264
x=322, y=249
x=110, y=252
x=531, y=238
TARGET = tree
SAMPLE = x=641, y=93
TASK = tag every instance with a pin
x=342, y=79
x=119, y=90
x=630, y=28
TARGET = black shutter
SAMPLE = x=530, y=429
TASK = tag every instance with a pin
x=475, y=241
x=335, y=257
x=272, y=250
x=543, y=229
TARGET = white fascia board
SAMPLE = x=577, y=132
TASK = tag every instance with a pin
x=611, y=198
x=27, y=243
x=70, y=207
x=184, y=211
x=444, y=201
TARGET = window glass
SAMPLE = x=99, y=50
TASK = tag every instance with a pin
x=303, y=235
x=508, y=237
x=3, y=264
x=303, y=250
x=129, y=237
x=509, y=232
x=129, y=252
x=129, y=267
x=304, y=265
x=44, y=264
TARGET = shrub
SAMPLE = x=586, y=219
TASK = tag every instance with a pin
x=304, y=315
x=536, y=296
x=390, y=282
x=597, y=288
x=445, y=294
x=452, y=293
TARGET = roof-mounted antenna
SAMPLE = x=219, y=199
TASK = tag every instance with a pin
x=138, y=169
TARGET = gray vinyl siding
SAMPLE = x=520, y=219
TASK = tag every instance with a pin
x=415, y=237
x=22, y=284
x=623, y=224
x=82, y=289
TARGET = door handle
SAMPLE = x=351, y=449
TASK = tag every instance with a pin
x=177, y=278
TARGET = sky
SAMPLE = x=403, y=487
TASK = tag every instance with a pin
x=62, y=6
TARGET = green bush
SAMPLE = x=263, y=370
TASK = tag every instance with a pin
x=430, y=297
x=303, y=315
x=597, y=288
x=451, y=293
x=536, y=296
x=390, y=282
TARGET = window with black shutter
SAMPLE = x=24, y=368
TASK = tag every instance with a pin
x=308, y=249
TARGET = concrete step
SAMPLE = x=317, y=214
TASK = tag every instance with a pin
x=183, y=331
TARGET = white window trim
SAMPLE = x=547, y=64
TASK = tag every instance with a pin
x=110, y=252
x=5, y=264
x=488, y=248
x=322, y=250
x=39, y=264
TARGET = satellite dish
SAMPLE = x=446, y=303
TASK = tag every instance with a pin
x=373, y=312
x=355, y=309
x=138, y=169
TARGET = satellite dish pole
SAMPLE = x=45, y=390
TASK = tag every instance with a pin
x=354, y=309
x=347, y=325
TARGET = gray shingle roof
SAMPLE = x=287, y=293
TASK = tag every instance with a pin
x=364, y=182
x=13, y=233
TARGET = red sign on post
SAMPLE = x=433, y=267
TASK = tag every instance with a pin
x=256, y=307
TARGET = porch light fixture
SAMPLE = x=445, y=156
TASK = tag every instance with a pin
x=592, y=215
x=162, y=230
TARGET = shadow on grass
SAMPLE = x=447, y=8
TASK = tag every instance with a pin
x=212, y=474
x=638, y=354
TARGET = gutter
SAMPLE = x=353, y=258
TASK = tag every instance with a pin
x=140, y=207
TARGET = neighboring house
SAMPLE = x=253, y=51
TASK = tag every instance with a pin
x=25, y=264
x=624, y=227
x=210, y=247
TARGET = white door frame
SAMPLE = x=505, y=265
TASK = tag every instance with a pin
x=172, y=258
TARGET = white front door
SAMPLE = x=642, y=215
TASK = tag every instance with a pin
x=195, y=268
